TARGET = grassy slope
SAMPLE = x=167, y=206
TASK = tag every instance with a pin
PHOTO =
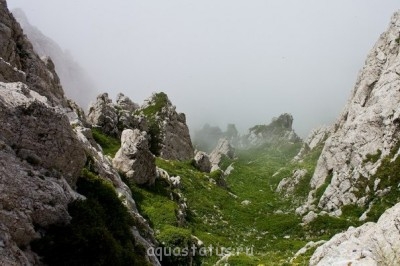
x=218, y=217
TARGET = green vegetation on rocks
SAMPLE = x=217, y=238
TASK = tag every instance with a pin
x=110, y=145
x=99, y=232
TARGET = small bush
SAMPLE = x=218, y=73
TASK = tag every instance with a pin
x=98, y=234
x=373, y=158
x=178, y=238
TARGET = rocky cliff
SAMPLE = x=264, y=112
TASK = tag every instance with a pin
x=76, y=83
x=170, y=138
x=366, y=132
x=44, y=148
x=280, y=129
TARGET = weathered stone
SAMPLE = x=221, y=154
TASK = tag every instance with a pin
x=124, y=103
x=75, y=81
x=168, y=129
x=369, y=124
x=280, y=129
x=316, y=138
x=16, y=51
x=223, y=148
x=104, y=115
x=202, y=161
x=370, y=244
x=134, y=158
x=288, y=184
x=37, y=133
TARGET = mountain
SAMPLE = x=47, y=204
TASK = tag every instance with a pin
x=123, y=185
x=366, y=133
x=53, y=177
x=357, y=172
x=77, y=84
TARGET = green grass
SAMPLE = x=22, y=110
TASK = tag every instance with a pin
x=160, y=100
x=320, y=190
x=373, y=158
x=389, y=175
x=217, y=216
x=110, y=145
x=152, y=113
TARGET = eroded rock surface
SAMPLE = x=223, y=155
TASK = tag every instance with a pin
x=223, y=148
x=168, y=128
x=134, y=158
x=280, y=129
x=370, y=244
x=202, y=161
x=75, y=81
x=368, y=125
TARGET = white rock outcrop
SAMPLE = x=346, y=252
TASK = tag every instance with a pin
x=223, y=148
x=174, y=142
x=103, y=114
x=279, y=130
x=316, y=138
x=368, y=124
x=134, y=158
x=370, y=244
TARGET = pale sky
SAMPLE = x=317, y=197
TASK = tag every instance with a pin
x=222, y=61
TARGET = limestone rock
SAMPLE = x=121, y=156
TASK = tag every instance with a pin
x=288, y=184
x=280, y=129
x=168, y=130
x=370, y=244
x=223, y=148
x=316, y=138
x=134, y=158
x=311, y=216
x=40, y=154
x=113, y=118
x=369, y=122
x=104, y=115
x=101, y=165
x=37, y=133
x=124, y=103
x=40, y=159
x=75, y=81
x=202, y=161
x=16, y=53
x=306, y=248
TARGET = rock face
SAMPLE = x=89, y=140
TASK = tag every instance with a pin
x=41, y=154
x=76, y=83
x=37, y=133
x=202, y=161
x=280, y=129
x=104, y=115
x=223, y=148
x=370, y=244
x=113, y=118
x=134, y=158
x=170, y=138
x=167, y=131
x=19, y=62
x=368, y=125
x=316, y=138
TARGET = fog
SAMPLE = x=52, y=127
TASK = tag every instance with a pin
x=221, y=61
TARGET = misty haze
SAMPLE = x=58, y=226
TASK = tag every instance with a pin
x=188, y=133
x=221, y=61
